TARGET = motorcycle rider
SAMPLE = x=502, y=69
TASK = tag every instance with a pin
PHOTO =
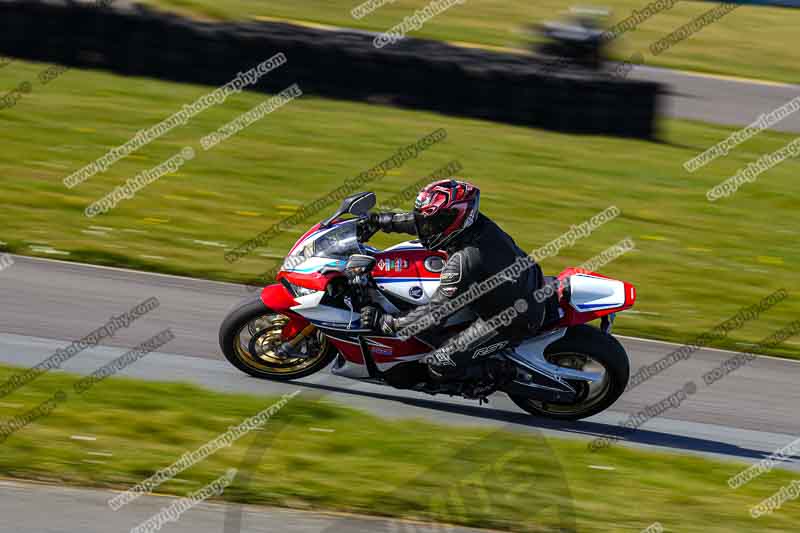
x=446, y=217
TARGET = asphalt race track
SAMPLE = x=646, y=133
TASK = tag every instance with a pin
x=710, y=98
x=720, y=100
x=744, y=416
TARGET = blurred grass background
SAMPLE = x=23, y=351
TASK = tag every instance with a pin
x=695, y=265
x=320, y=455
x=751, y=41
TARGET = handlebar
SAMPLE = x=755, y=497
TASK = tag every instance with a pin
x=366, y=227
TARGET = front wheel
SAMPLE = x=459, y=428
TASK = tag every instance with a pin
x=587, y=349
x=250, y=335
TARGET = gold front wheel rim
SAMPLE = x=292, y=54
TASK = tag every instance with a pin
x=256, y=343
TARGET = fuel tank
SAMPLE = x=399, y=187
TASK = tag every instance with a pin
x=409, y=271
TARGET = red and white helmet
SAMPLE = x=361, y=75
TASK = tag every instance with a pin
x=444, y=209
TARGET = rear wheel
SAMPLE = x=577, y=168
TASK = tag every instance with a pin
x=250, y=335
x=587, y=349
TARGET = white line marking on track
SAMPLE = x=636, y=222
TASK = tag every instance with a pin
x=119, y=269
x=732, y=352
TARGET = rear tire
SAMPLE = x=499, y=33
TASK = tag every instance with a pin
x=256, y=356
x=603, y=349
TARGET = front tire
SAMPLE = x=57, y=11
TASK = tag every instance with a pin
x=591, y=346
x=250, y=335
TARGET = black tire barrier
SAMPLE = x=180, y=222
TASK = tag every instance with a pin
x=136, y=40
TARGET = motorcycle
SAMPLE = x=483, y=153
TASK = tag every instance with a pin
x=310, y=318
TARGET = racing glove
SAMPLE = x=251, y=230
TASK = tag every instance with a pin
x=376, y=320
x=387, y=222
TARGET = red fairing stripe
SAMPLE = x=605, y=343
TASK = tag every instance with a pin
x=351, y=352
x=573, y=270
x=314, y=228
x=277, y=298
x=396, y=348
x=312, y=280
x=630, y=295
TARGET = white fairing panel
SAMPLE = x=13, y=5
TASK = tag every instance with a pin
x=408, y=289
x=310, y=308
x=404, y=288
x=591, y=293
x=348, y=369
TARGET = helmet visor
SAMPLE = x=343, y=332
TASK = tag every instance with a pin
x=429, y=228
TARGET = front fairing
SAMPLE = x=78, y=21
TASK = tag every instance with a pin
x=324, y=248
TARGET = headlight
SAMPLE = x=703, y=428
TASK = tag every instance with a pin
x=301, y=291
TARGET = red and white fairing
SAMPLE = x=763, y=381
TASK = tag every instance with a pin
x=591, y=296
x=406, y=271
x=410, y=273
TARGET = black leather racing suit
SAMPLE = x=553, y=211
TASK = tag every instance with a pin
x=478, y=253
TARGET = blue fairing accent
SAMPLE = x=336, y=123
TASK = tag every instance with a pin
x=397, y=280
x=314, y=269
x=593, y=306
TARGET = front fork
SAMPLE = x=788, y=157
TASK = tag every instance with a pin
x=287, y=348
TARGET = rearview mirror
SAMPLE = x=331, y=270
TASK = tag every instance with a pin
x=361, y=204
x=357, y=204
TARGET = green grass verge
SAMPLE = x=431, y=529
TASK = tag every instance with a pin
x=408, y=468
x=696, y=262
x=735, y=45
